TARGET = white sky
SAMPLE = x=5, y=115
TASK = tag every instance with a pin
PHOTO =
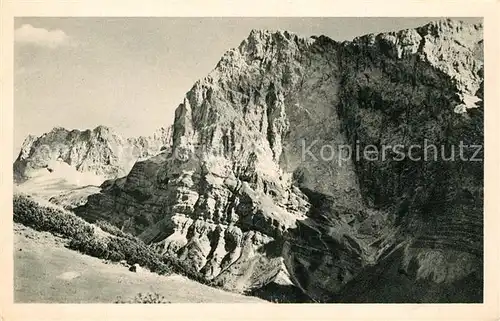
x=131, y=73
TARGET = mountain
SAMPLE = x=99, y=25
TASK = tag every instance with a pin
x=251, y=196
x=80, y=158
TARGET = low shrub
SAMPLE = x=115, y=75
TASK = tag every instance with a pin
x=115, y=246
x=43, y=218
x=148, y=298
x=114, y=230
x=137, y=252
x=90, y=244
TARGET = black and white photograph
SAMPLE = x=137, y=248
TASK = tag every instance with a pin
x=268, y=160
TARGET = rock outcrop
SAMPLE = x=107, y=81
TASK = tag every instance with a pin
x=258, y=193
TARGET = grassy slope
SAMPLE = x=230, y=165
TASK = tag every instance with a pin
x=44, y=267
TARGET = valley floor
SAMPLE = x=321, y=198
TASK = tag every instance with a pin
x=47, y=272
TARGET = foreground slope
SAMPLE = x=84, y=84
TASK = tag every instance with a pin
x=47, y=272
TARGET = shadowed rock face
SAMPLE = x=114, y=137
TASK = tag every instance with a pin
x=430, y=88
x=237, y=197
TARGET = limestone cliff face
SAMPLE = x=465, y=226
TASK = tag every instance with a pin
x=101, y=151
x=416, y=87
x=250, y=196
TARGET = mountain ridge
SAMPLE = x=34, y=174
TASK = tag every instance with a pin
x=80, y=149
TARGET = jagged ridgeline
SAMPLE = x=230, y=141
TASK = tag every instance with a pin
x=234, y=195
x=100, y=152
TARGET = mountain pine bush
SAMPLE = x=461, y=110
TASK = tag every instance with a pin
x=114, y=245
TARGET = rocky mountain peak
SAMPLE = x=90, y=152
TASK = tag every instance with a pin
x=448, y=26
x=26, y=146
x=103, y=130
x=453, y=47
x=100, y=151
x=263, y=46
x=262, y=39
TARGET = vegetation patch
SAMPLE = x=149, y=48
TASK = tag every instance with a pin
x=145, y=298
x=101, y=239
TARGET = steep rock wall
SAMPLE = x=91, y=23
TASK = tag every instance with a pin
x=419, y=87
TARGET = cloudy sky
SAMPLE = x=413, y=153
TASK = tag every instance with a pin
x=131, y=73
